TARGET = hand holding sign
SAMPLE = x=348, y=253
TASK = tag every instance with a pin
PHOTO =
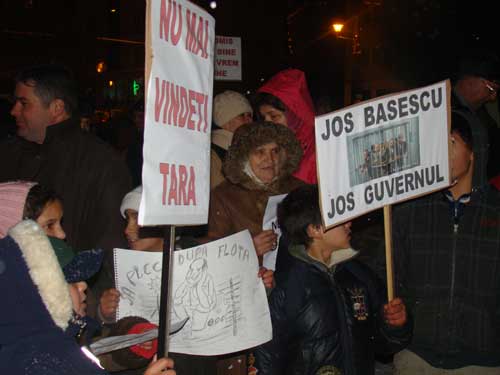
x=265, y=241
x=270, y=221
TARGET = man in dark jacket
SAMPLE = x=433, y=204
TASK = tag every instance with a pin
x=477, y=83
x=447, y=254
x=328, y=312
x=50, y=148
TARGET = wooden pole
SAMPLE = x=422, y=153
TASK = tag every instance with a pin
x=166, y=291
x=388, y=251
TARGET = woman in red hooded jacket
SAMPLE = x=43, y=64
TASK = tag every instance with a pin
x=285, y=100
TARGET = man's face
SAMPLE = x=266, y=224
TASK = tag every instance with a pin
x=461, y=157
x=195, y=272
x=32, y=116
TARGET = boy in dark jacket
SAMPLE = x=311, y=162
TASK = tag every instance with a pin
x=328, y=310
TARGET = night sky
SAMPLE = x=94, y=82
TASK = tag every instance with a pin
x=414, y=42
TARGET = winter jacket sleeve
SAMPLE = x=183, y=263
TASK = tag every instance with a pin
x=388, y=339
x=270, y=358
x=219, y=220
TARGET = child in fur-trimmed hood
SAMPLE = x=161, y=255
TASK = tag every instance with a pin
x=36, y=309
x=58, y=274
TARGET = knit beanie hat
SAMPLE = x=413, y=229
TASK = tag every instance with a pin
x=131, y=200
x=12, y=200
x=228, y=105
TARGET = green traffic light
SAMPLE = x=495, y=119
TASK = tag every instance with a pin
x=135, y=87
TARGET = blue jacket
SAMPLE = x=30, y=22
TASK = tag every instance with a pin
x=328, y=320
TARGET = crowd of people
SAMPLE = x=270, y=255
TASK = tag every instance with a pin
x=384, y=158
x=67, y=198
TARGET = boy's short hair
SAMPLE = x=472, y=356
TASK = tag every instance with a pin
x=299, y=209
x=460, y=125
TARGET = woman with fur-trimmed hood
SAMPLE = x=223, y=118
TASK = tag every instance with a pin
x=259, y=164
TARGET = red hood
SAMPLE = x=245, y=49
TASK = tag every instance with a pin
x=290, y=87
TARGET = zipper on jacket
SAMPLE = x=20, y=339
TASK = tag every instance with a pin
x=453, y=263
x=451, y=315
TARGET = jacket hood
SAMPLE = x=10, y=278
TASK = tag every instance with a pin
x=35, y=294
x=36, y=307
x=290, y=87
x=337, y=257
x=253, y=135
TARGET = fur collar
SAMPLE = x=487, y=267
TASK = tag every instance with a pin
x=44, y=270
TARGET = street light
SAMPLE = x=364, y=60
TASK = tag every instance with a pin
x=351, y=50
x=338, y=26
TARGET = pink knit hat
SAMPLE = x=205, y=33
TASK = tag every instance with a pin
x=12, y=200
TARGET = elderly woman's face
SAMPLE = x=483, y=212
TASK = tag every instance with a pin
x=266, y=161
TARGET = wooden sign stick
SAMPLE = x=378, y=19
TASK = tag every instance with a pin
x=388, y=251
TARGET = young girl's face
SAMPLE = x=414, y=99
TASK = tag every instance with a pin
x=273, y=114
x=50, y=220
x=132, y=233
x=79, y=297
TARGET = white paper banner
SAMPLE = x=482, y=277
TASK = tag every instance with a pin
x=270, y=221
x=214, y=285
x=227, y=58
x=178, y=115
x=383, y=151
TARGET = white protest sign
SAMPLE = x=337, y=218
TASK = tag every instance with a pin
x=227, y=58
x=178, y=114
x=383, y=151
x=270, y=221
x=214, y=285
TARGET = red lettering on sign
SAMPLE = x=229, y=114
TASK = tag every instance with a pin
x=221, y=62
x=226, y=51
x=223, y=40
x=182, y=106
x=196, y=37
x=178, y=185
x=170, y=15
